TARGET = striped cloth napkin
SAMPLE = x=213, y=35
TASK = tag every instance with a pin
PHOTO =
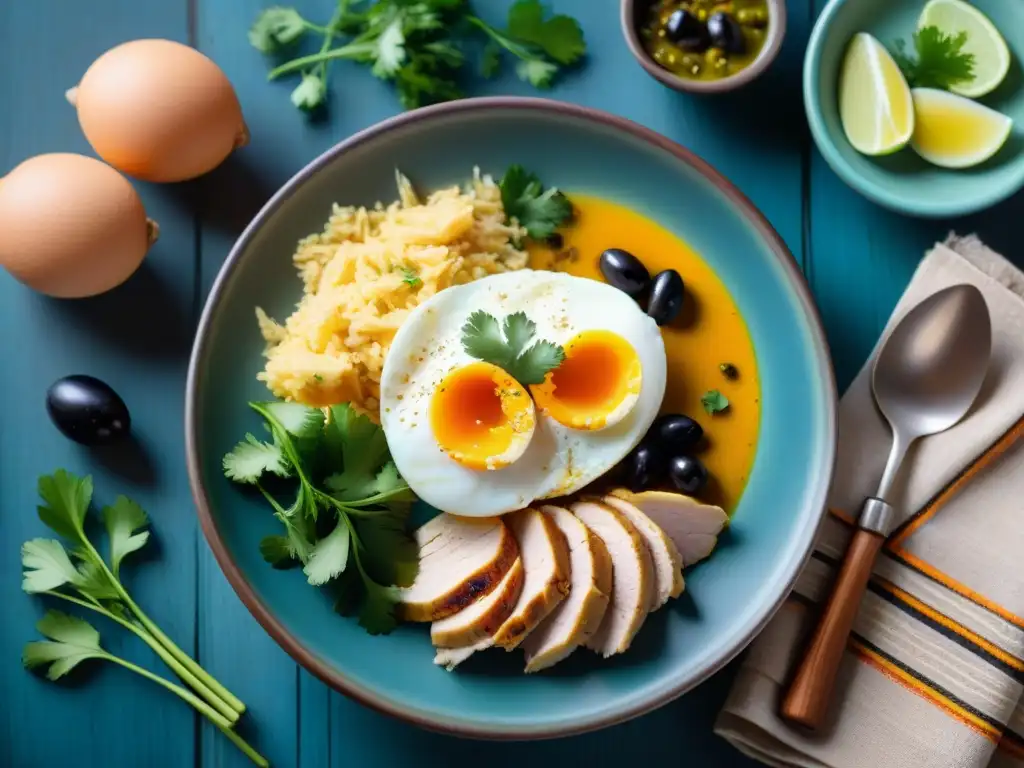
x=934, y=668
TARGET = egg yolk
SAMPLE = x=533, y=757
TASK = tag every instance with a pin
x=596, y=385
x=482, y=417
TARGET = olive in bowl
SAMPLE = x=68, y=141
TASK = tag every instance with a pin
x=704, y=46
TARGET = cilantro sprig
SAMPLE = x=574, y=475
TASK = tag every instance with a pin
x=541, y=46
x=508, y=346
x=346, y=522
x=938, y=59
x=72, y=569
x=540, y=211
x=415, y=45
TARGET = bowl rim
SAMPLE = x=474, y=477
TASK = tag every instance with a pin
x=769, y=52
x=815, y=502
x=827, y=145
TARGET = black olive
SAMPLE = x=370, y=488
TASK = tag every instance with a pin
x=625, y=271
x=643, y=467
x=87, y=410
x=687, y=31
x=554, y=240
x=676, y=433
x=726, y=33
x=687, y=474
x=666, y=297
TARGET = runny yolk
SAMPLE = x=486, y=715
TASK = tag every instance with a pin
x=482, y=417
x=596, y=385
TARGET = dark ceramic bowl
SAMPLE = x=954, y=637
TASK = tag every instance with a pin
x=634, y=14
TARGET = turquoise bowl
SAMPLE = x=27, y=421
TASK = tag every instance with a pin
x=903, y=181
x=729, y=597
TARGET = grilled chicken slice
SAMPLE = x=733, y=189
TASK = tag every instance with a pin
x=632, y=577
x=461, y=560
x=545, y=555
x=481, y=619
x=694, y=527
x=668, y=563
x=577, y=617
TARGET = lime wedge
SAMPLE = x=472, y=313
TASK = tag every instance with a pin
x=991, y=55
x=954, y=132
x=874, y=98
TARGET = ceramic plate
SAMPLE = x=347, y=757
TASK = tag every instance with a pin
x=728, y=597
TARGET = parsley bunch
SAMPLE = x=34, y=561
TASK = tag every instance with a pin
x=938, y=60
x=79, y=574
x=414, y=44
x=349, y=507
x=508, y=346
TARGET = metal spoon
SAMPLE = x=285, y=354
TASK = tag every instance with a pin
x=926, y=377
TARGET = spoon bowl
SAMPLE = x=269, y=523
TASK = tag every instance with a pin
x=931, y=368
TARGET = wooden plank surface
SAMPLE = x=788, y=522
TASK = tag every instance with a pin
x=857, y=257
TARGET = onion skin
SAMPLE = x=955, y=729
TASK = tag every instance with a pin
x=71, y=226
x=159, y=110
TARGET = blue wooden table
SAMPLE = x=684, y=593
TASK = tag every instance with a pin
x=856, y=256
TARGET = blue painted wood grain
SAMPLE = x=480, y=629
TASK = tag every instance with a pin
x=857, y=257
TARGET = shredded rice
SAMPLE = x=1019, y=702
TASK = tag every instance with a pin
x=363, y=275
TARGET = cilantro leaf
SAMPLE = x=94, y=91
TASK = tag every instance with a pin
x=537, y=210
x=329, y=556
x=66, y=500
x=297, y=420
x=310, y=93
x=72, y=641
x=938, y=60
x=390, y=556
x=390, y=50
x=123, y=520
x=518, y=329
x=482, y=339
x=277, y=551
x=93, y=582
x=251, y=458
x=714, y=402
x=276, y=28
x=534, y=364
x=536, y=72
x=363, y=450
x=47, y=566
x=490, y=60
x=377, y=609
x=560, y=37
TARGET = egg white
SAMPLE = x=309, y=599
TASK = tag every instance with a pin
x=558, y=460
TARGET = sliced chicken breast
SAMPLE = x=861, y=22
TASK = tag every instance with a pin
x=632, y=577
x=481, y=619
x=576, y=618
x=461, y=560
x=668, y=563
x=694, y=527
x=545, y=555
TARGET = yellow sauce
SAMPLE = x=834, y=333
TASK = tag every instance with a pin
x=709, y=332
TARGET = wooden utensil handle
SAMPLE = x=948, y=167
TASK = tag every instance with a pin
x=806, y=702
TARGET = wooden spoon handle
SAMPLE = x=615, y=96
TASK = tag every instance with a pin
x=806, y=702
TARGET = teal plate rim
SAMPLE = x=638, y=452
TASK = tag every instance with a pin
x=815, y=505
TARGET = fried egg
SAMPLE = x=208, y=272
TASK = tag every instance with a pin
x=471, y=440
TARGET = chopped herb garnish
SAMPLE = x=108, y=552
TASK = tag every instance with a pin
x=729, y=370
x=938, y=59
x=343, y=467
x=539, y=211
x=410, y=277
x=508, y=346
x=714, y=402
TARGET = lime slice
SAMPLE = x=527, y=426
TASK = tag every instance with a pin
x=953, y=131
x=874, y=98
x=991, y=56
